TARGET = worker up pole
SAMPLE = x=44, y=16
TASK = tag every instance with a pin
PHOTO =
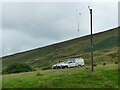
x=91, y=38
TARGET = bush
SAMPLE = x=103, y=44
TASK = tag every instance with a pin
x=17, y=68
x=94, y=64
x=87, y=68
x=38, y=74
x=104, y=63
x=116, y=62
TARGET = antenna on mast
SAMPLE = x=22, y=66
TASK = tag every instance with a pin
x=78, y=21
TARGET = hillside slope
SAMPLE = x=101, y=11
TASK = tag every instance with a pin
x=105, y=50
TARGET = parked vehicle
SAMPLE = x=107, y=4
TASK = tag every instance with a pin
x=74, y=62
x=60, y=65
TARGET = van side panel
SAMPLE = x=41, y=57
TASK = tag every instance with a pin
x=79, y=61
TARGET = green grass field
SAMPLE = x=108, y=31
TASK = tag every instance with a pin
x=104, y=76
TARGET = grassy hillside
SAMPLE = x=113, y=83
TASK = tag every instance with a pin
x=105, y=76
x=105, y=50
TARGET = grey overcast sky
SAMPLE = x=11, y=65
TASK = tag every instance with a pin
x=29, y=25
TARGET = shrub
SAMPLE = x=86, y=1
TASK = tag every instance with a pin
x=38, y=74
x=104, y=63
x=87, y=68
x=116, y=62
x=94, y=64
x=17, y=68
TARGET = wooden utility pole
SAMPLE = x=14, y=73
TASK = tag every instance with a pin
x=91, y=38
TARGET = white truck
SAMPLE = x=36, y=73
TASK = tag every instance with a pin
x=74, y=62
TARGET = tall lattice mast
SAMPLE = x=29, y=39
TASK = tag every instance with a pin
x=78, y=22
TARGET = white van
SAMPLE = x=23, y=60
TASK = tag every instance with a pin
x=74, y=62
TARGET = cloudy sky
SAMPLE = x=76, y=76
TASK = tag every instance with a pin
x=29, y=25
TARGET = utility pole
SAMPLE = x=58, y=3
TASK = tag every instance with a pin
x=91, y=38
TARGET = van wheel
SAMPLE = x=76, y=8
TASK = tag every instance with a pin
x=66, y=66
x=79, y=66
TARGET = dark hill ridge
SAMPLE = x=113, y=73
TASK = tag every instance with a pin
x=104, y=43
